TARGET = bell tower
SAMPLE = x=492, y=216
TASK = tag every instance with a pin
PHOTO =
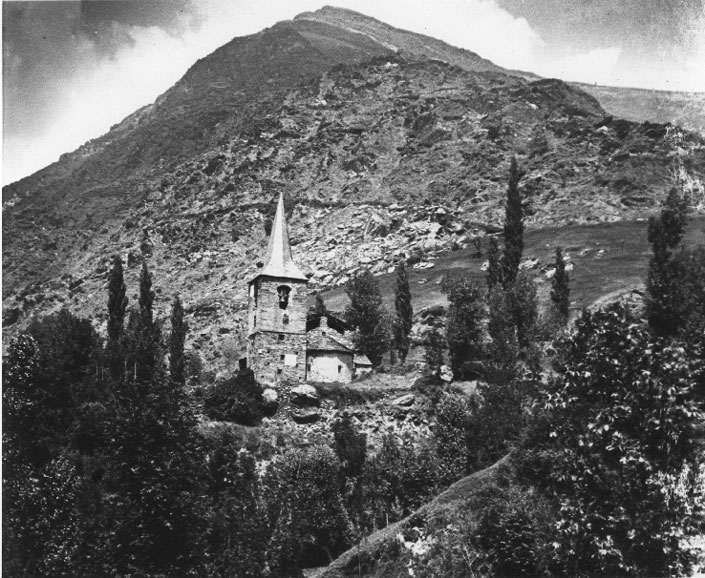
x=276, y=340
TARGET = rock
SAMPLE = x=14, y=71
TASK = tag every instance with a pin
x=446, y=374
x=309, y=415
x=305, y=396
x=404, y=400
x=270, y=396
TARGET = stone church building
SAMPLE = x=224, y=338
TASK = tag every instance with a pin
x=283, y=343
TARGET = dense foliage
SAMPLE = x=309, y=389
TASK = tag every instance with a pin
x=615, y=444
x=464, y=321
x=404, y=312
x=367, y=314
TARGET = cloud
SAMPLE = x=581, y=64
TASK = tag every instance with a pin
x=594, y=66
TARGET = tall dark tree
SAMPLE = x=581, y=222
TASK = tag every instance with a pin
x=177, y=337
x=367, y=314
x=464, y=321
x=405, y=312
x=560, y=289
x=494, y=265
x=663, y=305
x=117, y=301
x=117, y=306
x=143, y=337
x=513, y=227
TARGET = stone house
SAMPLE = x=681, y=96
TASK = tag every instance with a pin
x=282, y=343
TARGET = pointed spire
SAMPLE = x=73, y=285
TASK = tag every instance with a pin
x=279, y=262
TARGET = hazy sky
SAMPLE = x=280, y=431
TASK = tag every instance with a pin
x=73, y=69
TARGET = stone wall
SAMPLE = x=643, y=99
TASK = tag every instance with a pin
x=277, y=357
x=329, y=366
x=265, y=312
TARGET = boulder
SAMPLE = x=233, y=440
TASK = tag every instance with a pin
x=308, y=415
x=405, y=400
x=270, y=396
x=446, y=374
x=305, y=396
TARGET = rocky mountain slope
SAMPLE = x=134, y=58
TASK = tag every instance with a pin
x=379, y=155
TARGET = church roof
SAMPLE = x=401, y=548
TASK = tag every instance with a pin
x=279, y=262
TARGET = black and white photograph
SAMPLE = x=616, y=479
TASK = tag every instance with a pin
x=371, y=289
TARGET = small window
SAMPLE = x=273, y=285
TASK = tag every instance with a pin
x=281, y=337
x=281, y=357
x=340, y=369
x=279, y=371
x=285, y=319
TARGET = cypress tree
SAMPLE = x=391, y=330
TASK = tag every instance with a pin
x=405, y=312
x=494, y=265
x=513, y=227
x=117, y=301
x=560, y=288
x=142, y=339
x=177, y=336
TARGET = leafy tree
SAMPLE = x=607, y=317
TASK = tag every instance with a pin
x=40, y=521
x=177, y=337
x=400, y=477
x=500, y=420
x=405, y=312
x=366, y=313
x=306, y=508
x=615, y=445
x=453, y=414
x=154, y=478
x=434, y=351
x=464, y=320
x=240, y=530
x=350, y=446
x=560, y=289
x=664, y=306
x=22, y=428
x=513, y=227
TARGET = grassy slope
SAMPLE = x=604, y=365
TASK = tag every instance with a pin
x=622, y=266
x=460, y=494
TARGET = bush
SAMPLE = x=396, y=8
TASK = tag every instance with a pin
x=516, y=532
x=238, y=399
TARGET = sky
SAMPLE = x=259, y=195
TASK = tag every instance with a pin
x=71, y=69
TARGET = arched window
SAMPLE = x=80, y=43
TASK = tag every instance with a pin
x=283, y=293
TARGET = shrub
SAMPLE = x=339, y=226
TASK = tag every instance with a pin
x=238, y=399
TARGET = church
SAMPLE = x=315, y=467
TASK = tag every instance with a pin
x=284, y=343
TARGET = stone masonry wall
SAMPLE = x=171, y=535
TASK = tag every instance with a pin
x=276, y=357
x=329, y=366
x=276, y=346
x=265, y=314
